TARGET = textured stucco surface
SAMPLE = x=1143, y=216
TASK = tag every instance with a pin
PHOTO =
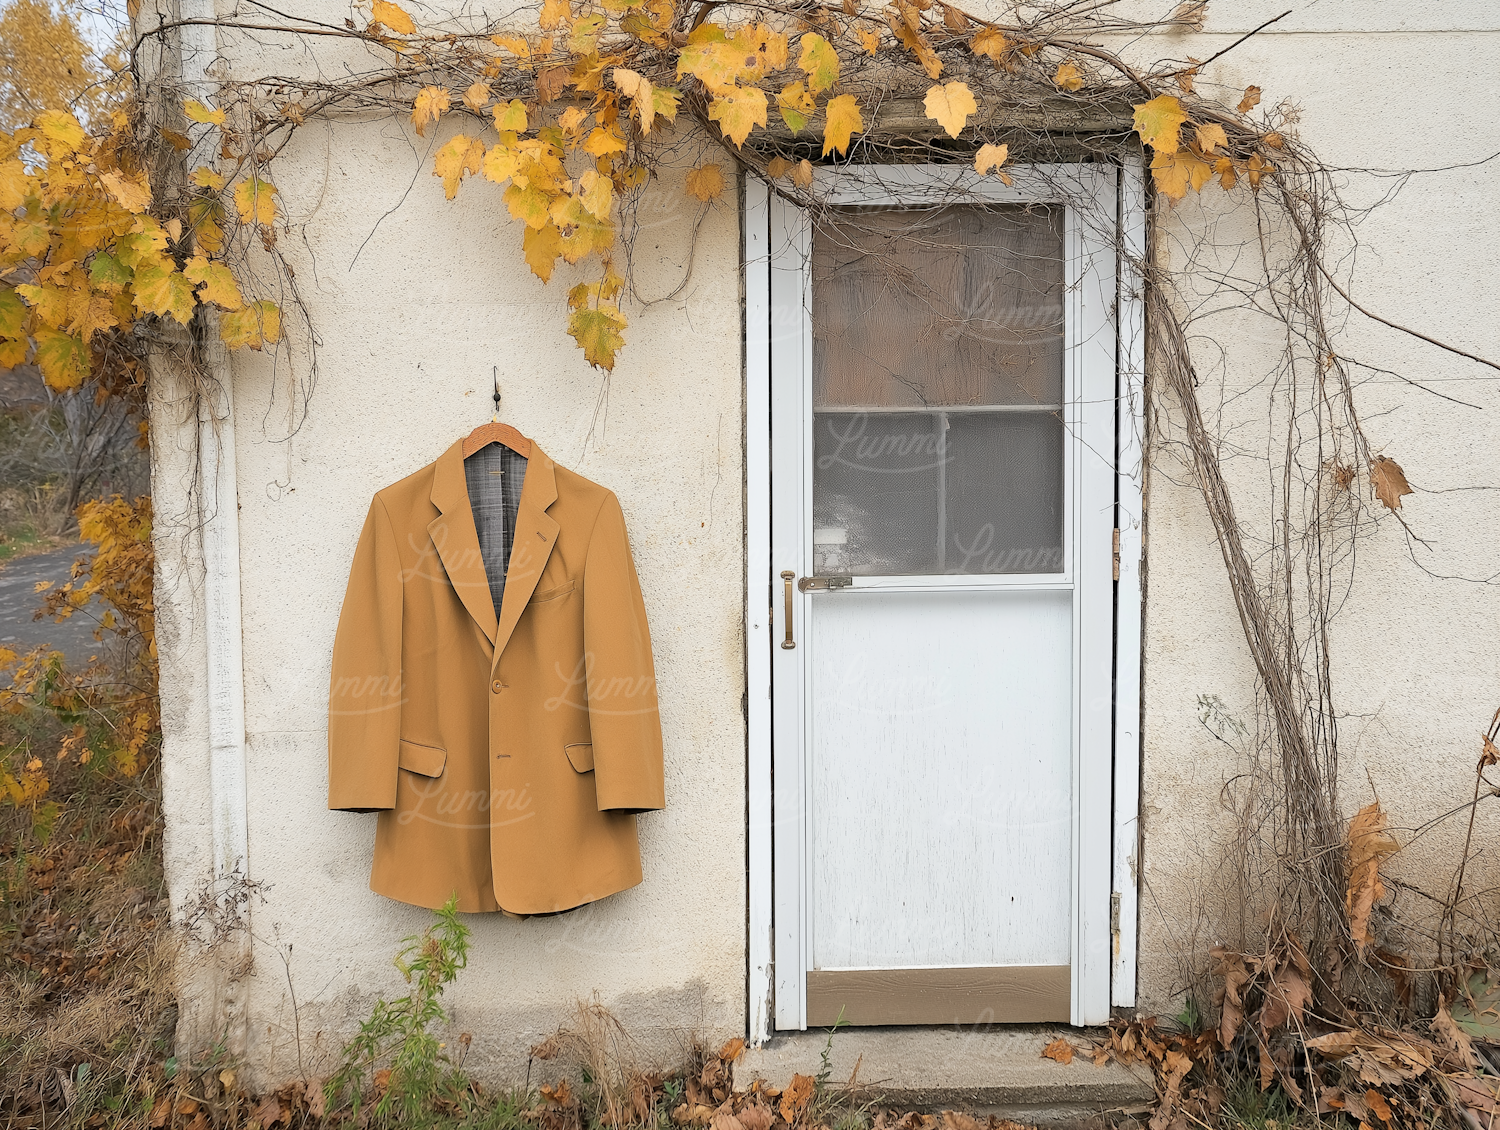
x=414, y=300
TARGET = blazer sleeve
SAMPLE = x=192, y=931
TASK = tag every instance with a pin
x=365, y=690
x=623, y=717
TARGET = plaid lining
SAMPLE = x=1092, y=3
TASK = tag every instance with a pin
x=494, y=475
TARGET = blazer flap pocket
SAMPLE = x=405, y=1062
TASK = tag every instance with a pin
x=581, y=757
x=427, y=760
x=552, y=593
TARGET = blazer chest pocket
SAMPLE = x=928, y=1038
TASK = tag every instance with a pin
x=541, y=596
x=581, y=757
x=427, y=760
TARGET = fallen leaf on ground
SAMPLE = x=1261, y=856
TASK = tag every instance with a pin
x=1060, y=1050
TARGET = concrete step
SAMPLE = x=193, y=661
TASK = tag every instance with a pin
x=996, y=1070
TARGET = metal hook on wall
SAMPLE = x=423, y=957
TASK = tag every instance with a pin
x=495, y=416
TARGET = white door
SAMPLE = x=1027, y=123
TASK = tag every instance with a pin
x=942, y=504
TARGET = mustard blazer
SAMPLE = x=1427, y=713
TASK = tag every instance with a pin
x=507, y=758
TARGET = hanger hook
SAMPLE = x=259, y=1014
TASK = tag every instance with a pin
x=495, y=416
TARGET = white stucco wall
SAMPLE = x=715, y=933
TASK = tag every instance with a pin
x=414, y=300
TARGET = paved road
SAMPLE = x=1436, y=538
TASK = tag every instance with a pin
x=74, y=637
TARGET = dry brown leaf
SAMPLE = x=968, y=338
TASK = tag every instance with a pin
x=1378, y=1106
x=756, y=1115
x=954, y=19
x=707, y=183
x=268, y=1111
x=1370, y=845
x=732, y=1050
x=1232, y=977
x=1451, y=1036
x=1389, y=482
x=1060, y=1050
x=1250, y=100
x=1210, y=136
x=778, y=167
x=559, y=1095
x=802, y=173
x=957, y=1120
x=1068, y=76
x=547, y=1049
x=1479, y=1095
x=1290, y=989
x=795, y=1098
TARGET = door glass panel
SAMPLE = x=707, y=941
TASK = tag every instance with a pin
x=938, y=390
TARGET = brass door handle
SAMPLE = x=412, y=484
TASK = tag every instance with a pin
x=786, y=583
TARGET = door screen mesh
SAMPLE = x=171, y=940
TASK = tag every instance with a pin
x=937, y=391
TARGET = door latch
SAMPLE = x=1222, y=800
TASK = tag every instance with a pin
x=823, y=584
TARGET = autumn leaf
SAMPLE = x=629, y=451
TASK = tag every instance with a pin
x=511, y=116
x=429, y=106
x=598, y=333
x=706, y=182
x=819, y=61
x=796, y=104
x=255, y=201
x=641, y=94
x=61, y=129
x=555, y=14
x=1256, y=168
x=63, y=359
x=1224, y=170
x=217, y=282
x=1059, y=1050
x=664, y=100
x=131, y=193
x=798, y=1094
x=14, y=185
x=950, y=105
x=392, y=17
x=1250, y=100
x=1370, y=845
x=161, y=290
x=776, y=168
x=913, y=40
x=1174, y=173
x=992, y=157
x=12, y=314
x=205, y=177
x=843, y=120
x=1068, y=76
x=199, y=112
x=460, y=155
x=255, y=325
x=541, y=247
x=869, y=39
x=1158, y=122
x=990, y=43
x=802, y=173
x=106, y=273
x=477, y=97
x=1389, y=481
x=528, y=204
x=584, y=38
x=1210, y=136
x=739, y=110
x=602, y=142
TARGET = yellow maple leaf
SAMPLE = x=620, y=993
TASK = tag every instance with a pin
x=477, y=96
x=1174, y=173
x=990, y=43
x=599, y=334
x=393, y=17
x=217, y=282
x=991, y=157
x=738, y=110
x=458, y=156
x=255, y=325
x=200, y=112
x=664, y=100
x=429, y=106
x=1256, y=168
x=796, y=104
x=131, y=193
x=1158, y=122
x=1210, y=136
x=705, y=182
x=12, y=314
x=555, y=14
x=603, y=141
x=255, y=200
x=904, y=24
x=63, y=359
x=528, y=204
x=950, y=104
x=160, y=289
x=61, y=130
x=14, y=184
x=1224, y=170
x=584, y=38
x=819, y=61
x=511, y=116
x=1068, y=76
x=205, y=177
x=205, y=218
x=12, y=353
x=869, y=39
x=715, y=63
x=640, y=92
x=842, y=120
x=541, y=248
x=597, y=193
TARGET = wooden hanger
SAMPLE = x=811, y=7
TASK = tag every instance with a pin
x=496, y=432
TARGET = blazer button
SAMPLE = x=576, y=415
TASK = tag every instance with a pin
x=497, y=686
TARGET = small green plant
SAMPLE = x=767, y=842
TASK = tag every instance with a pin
x=400, y=1031
x=1188, y=1019
x=825, y=1057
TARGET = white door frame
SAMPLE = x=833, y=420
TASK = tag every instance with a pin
x=1107, y=332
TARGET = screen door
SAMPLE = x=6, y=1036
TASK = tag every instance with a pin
x=942, y=563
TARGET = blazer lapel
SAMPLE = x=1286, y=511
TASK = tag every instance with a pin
x=536, y=534
x=456, y=540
